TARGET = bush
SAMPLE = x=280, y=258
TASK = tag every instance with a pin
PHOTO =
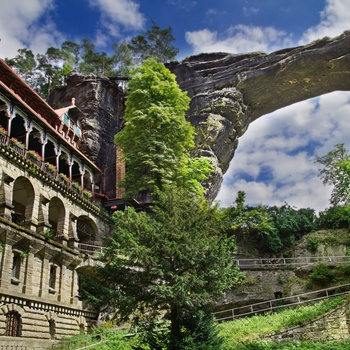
x=334, y=217
x=322, y=275
x=312, y=244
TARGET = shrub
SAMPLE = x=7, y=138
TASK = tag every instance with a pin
x=312, y=244
x=322, y=275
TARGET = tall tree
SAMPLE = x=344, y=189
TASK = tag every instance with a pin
x=156, y=140
x=154, y=43
x=168, y=263
x=336, y=172
x=24, y=64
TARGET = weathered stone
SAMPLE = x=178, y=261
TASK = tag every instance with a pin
x=242, y=88
x=102, y=102
x=227, y=91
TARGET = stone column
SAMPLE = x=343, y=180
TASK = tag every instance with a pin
x=28, y=278
x=28, y=128
x=44, y=281
x=61, y=284
x=6, y=266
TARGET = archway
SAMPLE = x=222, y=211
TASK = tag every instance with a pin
x=56, y=216
x=22, y=200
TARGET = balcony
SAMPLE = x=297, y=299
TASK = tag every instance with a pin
x=13, y=149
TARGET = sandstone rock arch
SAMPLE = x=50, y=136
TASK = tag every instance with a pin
x=230, y=91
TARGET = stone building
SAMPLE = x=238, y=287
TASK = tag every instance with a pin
x=51, y=218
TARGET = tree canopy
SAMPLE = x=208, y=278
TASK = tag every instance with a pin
x=165, y=263
x=336, y=172
x=156, y=140
x=44, y=72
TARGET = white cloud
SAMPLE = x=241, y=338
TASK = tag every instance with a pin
x=286, y=144
x=116, y=13
x=238, y=39
x=335, y=19
x=19, y=26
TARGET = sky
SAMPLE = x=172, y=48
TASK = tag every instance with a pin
x=274, y=163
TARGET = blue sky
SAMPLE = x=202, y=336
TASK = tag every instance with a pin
x=274, y=162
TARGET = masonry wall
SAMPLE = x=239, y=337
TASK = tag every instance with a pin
x=333, y=325
x=45, y=291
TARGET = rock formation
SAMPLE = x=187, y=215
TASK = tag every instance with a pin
x=227, y=91
x=102, y=102
x=230, y=91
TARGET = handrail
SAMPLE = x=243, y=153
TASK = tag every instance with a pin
x=90, y=248
x=270, y=305
x=223, y=319
x=259, y=262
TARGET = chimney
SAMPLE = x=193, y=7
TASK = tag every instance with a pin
x=73, y=101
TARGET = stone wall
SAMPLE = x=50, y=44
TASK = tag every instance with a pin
x=39, y=275
x=334, y=325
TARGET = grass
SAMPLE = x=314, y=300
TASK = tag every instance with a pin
x=241, y=334
x=255, y=328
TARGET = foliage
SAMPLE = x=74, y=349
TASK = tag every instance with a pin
x=336, y=172
x=253, y=329
x=154, y=43
x=292, y=223
x=49, y=234
x=304, y=345
x=322, y=275
x=335, y=217
x=156, y=140
x=44, y=72
x=168, y=263
x=312, y=244
x=267, y=229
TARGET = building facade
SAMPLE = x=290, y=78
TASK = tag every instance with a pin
x=51, y=218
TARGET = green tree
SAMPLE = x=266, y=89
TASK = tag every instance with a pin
x=154, y=43
x=337, y=216
x=156, y=140
x=24, y=64
x=336, y=172
x=168, y=263
x=98, y=63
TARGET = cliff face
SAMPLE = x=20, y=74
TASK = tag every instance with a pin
x=227, y=93
x=102, y=102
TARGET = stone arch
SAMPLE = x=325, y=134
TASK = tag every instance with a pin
x=22, y=200
x=87, y=230
x=15, y=310
x=57, y=214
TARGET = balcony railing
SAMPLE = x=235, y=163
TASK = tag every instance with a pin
x=35, y=160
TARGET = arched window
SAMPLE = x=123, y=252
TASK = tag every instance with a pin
x=13, y=324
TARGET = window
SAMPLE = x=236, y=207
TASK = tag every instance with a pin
x=13, y=324
x=16, y=268
x=52, y=279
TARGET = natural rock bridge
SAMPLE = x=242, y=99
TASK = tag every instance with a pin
x=229, y=91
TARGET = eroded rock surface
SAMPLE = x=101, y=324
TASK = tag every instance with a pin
x=227, y=92
x=230, y=91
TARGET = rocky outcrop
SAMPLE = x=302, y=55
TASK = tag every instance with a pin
x=102, y=101
x=227, y=92
x=230, y=91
